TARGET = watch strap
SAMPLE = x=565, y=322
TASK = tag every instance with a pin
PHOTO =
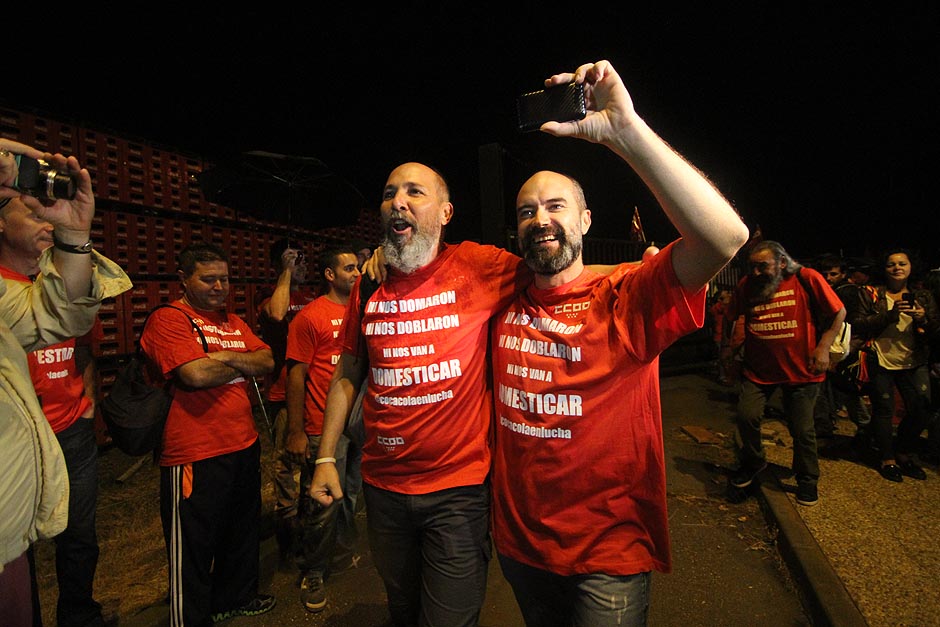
x=76, y=249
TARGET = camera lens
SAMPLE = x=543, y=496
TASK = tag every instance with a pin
x=59, y=185
x=38, y=178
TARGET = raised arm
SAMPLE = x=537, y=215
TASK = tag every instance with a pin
x=71, y=218
x=711, y=230
x=278, y=305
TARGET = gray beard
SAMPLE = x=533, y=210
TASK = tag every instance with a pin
x=408, y=256
x=763, y=292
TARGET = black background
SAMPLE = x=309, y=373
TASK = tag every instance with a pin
x=818, y=124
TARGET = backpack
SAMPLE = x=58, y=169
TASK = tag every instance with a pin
x=134, y=410
x=841, y=344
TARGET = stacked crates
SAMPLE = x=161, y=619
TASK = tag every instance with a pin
x=149, y=207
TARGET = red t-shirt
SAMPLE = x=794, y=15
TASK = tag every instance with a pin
x=274, y=334
x=579, y=477
x=204, y=422
x=780, y=335
x=314, y=339
x=428, y=408
x=58, y=382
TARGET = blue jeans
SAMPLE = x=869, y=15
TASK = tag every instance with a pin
x=593, y=600
x=914, y=387
x=76, y=548
x=799, y=401
x=432, y=552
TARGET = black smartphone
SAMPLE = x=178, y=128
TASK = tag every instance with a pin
x=560, y=103
x=908, y=298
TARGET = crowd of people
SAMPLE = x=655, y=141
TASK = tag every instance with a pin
x=775, y=333
x=465, y=363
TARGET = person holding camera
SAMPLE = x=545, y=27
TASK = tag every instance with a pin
x=275, y=313
x=579, y=477
x=61, y=303
x=63, y=376
x=313, y=348
x=901, y=322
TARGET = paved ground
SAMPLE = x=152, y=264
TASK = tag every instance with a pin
x=867, y=554
x=727, y=570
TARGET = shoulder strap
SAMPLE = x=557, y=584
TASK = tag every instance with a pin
x=205, y=344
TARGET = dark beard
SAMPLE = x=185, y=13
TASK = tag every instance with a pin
x=543, y=261
x=761, y=289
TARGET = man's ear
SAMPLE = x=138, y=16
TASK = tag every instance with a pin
x=585, y=221
x=448, y=213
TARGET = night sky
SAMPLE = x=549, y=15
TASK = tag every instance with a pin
x=815, y=122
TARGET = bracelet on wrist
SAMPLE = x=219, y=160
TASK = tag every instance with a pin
x=324, y=460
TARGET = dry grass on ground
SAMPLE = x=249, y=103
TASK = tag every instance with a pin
x=132, y=568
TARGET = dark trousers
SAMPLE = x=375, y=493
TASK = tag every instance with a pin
x=914, y=387
x=285, y=481
x=211, y=511
x=347, y=533
x=76, y=548
x=547, y=599
x=318, y=525
x=432, y=552
x=17, y=594
x=798, y=403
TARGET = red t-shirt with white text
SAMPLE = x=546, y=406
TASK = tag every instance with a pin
x=204, y=422
x=274, y=334
x=313, y=339
x=428, y=409
x=59, y=384
x=579, y=477
x=780, y=335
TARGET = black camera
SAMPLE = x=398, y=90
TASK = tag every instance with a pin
x=38, y=178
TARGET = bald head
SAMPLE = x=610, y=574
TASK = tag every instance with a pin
x=415, y=208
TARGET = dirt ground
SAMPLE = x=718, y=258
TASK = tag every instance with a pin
x=132, y=567
x=132, y=571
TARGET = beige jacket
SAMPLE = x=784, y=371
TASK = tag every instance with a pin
x=33, y=479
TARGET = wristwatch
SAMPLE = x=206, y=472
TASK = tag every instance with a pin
x=77, y=249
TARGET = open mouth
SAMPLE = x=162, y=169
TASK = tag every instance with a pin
x=399, y=226
x=544, y=239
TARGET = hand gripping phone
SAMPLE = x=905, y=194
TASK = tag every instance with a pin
x=559, y=103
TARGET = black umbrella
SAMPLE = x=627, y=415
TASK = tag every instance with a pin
x=298, y=191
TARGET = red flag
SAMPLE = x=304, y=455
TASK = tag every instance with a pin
x=636, y=227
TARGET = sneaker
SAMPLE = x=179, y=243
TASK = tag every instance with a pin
x=344, y=563
x=312, y=593
x=806, y=494
x=744, y=477
x=261, y=604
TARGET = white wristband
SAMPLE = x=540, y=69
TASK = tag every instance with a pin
x=324, y=460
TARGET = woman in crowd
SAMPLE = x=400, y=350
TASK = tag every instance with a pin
x=900, y=323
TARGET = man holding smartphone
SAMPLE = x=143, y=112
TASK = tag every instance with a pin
x=427, y=412
x=579, y=479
